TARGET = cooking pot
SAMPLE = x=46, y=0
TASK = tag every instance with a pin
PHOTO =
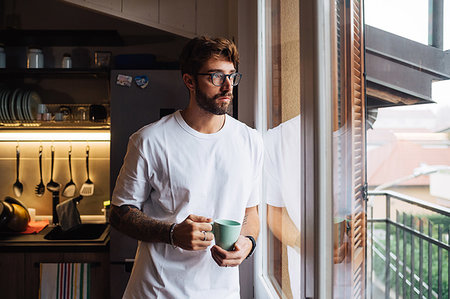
x=14, y=215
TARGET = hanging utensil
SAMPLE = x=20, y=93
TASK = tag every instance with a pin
x=40, y=188
x=18, y=186
x=87, y=189
x=53, y=186
x=70, y=188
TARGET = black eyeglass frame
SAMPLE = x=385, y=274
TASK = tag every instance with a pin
x=235, y=82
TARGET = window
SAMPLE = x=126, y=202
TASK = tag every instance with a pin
x=282, y=144
x=303, y=85
x=408, y=154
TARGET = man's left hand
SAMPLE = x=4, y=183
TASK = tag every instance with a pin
x=234, y=258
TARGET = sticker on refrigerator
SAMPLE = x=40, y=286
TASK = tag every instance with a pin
x=124, y=80
x=141, y=81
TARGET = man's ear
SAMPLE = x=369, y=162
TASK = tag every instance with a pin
x=189, y=81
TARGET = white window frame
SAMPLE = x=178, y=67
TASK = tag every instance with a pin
x=320, y=101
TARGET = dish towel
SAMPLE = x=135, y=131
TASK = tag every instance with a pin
x=64, y=280
x=68, y=214
x=35, y=226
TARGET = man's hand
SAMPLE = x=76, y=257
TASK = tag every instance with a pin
x=194, y=233
x=233, y=258
x=340, y=253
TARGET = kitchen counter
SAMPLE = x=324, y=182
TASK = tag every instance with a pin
x=37, y=242
x=21, y=256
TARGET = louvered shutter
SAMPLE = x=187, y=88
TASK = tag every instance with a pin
x=358, y=222
x=349, y=151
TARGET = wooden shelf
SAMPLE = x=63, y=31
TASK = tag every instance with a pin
x=60, y=38
x=52, y=125
x=55, y=72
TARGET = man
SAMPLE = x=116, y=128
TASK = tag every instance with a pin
x=183, y=172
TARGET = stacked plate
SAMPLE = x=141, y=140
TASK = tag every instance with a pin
x=18, y=104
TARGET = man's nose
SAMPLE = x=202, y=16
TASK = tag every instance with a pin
x=227, y=85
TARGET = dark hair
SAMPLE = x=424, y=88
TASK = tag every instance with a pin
x=198, y=50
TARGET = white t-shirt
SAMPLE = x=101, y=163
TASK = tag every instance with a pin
x=282, y=172
x=170, y=171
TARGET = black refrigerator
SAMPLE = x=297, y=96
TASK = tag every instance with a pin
x=138, y=97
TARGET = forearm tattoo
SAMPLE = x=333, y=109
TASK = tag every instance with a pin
x=244, y=222
x=133, y=222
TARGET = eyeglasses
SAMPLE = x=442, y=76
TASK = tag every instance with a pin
x=218, y=79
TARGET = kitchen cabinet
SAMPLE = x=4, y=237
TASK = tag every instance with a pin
x=186, y=18
x=143, y=9
x=108, y=4
x=20, y=274
x=99, y=270
x=21, y=256
x=12, y=275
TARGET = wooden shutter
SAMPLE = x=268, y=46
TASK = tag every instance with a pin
x=349, y=116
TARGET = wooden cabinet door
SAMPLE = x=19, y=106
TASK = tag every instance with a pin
x=12, y=275
x=115, y=5
x=144, y=9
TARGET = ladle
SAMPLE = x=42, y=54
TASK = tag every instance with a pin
x=70, y=188
x=53, y=186
x=18, y=186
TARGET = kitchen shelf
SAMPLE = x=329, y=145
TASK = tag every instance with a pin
x=52, y=125
x=61, y=38
x=55, y=135
x=55, y=72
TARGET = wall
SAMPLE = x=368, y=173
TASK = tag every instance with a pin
x=29, y=172
x=246, y=39
x=290, y=59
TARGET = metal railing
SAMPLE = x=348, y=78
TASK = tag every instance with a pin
x=408, y=252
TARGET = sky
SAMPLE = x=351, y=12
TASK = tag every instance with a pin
x=409, y=18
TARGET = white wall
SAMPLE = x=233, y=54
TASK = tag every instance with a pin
x=247, y=33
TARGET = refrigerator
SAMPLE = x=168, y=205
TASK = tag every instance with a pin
x=138, y=98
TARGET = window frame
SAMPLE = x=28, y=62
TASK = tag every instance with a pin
x=316, y=148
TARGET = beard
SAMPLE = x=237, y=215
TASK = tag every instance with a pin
x=209, y=103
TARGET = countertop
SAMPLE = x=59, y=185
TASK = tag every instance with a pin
x=37, y=242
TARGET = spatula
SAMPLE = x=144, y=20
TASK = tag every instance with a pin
x=87, y=189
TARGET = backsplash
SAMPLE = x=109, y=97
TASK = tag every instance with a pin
x=29, y=172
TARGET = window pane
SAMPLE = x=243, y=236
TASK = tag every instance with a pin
x=282, y=143
x=446, y=24
x=408, y=165
x=407, y=18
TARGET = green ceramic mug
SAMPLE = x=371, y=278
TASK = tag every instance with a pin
x=226, y=232
x=339, y=229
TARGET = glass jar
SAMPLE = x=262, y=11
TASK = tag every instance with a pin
x=2, y=58
x=35, y=58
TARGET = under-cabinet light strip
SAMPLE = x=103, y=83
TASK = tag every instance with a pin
x=56, y=136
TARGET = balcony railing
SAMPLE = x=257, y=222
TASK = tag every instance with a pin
x=408, y=247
